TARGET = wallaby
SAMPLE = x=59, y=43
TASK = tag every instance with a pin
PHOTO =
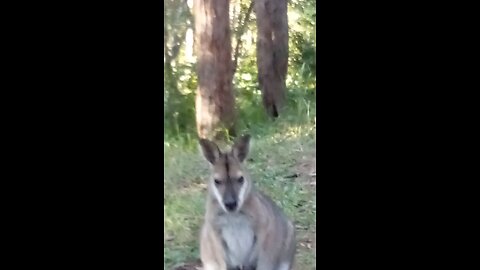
x=243, y=228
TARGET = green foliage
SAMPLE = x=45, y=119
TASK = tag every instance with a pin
x=180, y=80
x=179, y=101
x=278, y=146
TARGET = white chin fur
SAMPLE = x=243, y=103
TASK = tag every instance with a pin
x=284, y=266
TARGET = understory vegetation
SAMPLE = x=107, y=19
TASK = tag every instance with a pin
x=282, y=160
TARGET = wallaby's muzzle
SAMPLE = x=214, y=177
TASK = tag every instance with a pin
x=229, y=199
x=231, y=205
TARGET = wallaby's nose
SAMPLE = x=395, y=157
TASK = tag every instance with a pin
x=231, y=205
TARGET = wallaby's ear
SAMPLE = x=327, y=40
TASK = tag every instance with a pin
x=210, y=150
x=241, y=147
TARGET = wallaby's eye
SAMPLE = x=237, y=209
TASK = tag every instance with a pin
x=240, y=180
x=217, y=182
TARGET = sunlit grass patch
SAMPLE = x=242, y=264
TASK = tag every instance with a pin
x=277, y=150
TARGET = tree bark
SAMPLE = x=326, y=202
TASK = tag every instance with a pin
x=272, y=53
x=214, y=102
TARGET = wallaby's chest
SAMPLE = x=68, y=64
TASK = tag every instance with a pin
x=238, y=239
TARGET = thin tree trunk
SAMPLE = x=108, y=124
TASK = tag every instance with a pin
x=272, y=53
x=214, y=102
x=241, y=29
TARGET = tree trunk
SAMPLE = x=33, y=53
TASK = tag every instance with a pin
x=272, y=53
x=214, y=102
x=240, y=31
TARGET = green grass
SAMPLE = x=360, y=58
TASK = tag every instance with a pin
x=280, y=149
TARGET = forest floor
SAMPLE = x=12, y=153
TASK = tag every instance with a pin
x=282, y=163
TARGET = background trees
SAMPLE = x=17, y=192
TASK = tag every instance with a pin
x=220, y=74
x=214, y=102
x=272, y=52
x=216, y=65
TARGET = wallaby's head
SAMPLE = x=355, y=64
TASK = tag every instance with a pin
x=230, y=183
